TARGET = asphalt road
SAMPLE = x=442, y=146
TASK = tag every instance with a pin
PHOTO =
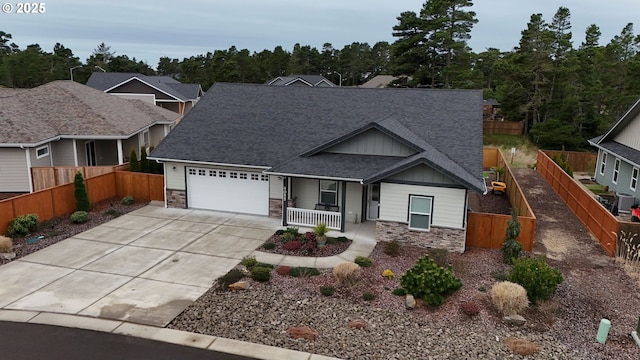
x=20, y=341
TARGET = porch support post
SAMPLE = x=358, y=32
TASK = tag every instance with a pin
x=285, y=201
x=120, y=153
x=344, y=203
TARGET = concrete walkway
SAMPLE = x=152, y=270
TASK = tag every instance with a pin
x=136, y=273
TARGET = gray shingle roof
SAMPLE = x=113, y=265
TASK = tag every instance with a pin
x=621, y=150
x=272, y=126
x=107, y=80
x=66, y=108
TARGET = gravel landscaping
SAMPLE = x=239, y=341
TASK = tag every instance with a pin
x=344, y=325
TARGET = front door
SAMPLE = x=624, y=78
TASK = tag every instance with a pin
x=373, y=201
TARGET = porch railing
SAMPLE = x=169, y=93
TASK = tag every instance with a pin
x=307, y=217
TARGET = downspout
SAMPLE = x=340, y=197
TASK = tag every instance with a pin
x=342, y=207
x=285, y=201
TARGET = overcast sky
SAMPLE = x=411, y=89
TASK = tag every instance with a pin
x=149, y=29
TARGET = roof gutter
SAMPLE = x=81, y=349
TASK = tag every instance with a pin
x=206, y=163
x=314, y=177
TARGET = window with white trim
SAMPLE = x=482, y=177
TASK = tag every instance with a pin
x=202, y=172
x=192, y=171
x=255, y=177
x=264, y=177
x=328, y=192
x=145, y=139
x=616, y=171
x=243, y=176
x=222, y=174
x=42, y=151
x=603, y=163
x=212, y=173
x=420, y=209
x=233, y=175
x=634, y=179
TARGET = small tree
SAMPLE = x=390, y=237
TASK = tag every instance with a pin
x=144, y=163
x=134, y=164
x=80, y=193
x=511, y=248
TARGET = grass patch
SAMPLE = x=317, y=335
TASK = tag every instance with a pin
x=503, y=140
x=595, y=188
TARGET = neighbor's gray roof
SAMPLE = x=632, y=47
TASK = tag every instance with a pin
x=614, y=147
x=66, y=108
x=313, y=80
x=286, y=128
x=107, y=80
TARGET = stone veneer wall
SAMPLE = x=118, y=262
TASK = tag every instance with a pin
x=440, y=238
x=176, y=198
x=275, y=206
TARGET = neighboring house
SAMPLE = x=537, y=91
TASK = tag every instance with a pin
x=619, y=157
x=379, y=81
x=404, y=158
x=490, y=108
x=163, y=91
x=301, y=80
x=64, y=123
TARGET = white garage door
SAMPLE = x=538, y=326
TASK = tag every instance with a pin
x=225, y=190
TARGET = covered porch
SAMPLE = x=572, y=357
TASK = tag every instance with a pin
x=338, y=203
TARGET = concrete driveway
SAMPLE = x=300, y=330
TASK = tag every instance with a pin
x=144, y=267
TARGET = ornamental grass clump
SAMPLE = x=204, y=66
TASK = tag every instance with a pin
x=537, y=277
x=6, y=245
x=347, y=273
x=429, y=282
x=509, y=298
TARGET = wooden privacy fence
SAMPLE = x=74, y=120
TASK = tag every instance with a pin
x=595, y=217
x=488, y=230
x=50, y=176
x=579, y=161
x=502, y=127
x=59, y=200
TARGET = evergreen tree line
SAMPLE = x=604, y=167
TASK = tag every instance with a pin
x=566, y=93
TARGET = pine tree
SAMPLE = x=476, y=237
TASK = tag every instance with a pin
x=144, y=163
x=511, y=248
x=80, y=193
x=134, y=164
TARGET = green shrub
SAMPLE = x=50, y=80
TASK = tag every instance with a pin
x=368, y=296
x=292, y=230
x=144, y=162
x=392, y=248
x=327, y=290
x=537, y=277
x=269, y=246
x=80, y=193
x=262, y=274
x=429, y=282
x=363, y=261
x=303, y=272
x=223, y=282
x=249, y=261
x=127, y=200
x=287, y=237
x=22, y=226
x=113, y=213
x=511, y=248
x=399, y=292
x=79, y=217
x=561, y=160
x=261, y=264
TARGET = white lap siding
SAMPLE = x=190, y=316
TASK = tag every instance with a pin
x=448, y=204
